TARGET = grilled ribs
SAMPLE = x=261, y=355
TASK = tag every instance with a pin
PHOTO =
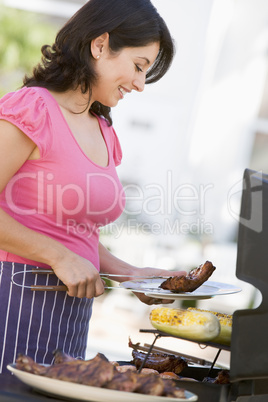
x=100, y=372
x=95, y=372
x=26, y=363
x=159, y=361
x=149, y=384
x=192, y=281
x=126, y=381
x=61, y=357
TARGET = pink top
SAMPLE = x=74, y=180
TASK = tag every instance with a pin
x=63, y=195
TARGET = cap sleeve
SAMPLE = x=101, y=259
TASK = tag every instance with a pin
x=27, y=110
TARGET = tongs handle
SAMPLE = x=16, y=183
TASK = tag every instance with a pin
x=52, y=288
x=63, y=288
x=56, y=288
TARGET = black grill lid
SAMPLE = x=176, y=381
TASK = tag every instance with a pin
x=249, y=346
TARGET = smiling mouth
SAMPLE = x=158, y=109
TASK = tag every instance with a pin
x=122, y=91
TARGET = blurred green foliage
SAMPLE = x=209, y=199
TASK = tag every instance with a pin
x=22, y=34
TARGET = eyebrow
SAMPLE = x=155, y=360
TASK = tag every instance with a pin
x=145, y=58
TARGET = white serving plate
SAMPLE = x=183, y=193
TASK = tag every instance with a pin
x=79, y=392
x=151, y=288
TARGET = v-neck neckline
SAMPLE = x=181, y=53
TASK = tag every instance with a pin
x=73, y=136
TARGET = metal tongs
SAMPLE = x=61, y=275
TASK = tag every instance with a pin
x=64, y=288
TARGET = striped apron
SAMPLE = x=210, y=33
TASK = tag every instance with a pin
x=36, y=323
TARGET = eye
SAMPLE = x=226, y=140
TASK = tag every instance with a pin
x=138, y=68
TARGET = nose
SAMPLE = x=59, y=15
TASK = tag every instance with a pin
x=139, y=84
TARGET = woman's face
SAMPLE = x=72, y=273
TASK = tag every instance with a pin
x=120, y=73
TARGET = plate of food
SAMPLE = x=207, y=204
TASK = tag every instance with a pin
x=106, y=383
x=193, y=286
x=151, y=288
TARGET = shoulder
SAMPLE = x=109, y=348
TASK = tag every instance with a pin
x=27, y=109
x=23, y=96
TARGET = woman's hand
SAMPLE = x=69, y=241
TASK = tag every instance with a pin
x=156, y=272
x=113, y=265
x=80, y=276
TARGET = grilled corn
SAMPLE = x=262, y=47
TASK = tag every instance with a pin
x=225, y=320
x=193, y=325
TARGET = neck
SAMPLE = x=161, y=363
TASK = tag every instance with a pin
x=73, y=101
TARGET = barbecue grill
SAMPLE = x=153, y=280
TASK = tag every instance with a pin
x=249, y=344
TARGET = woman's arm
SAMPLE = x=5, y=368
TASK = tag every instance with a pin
x=113, y=265
x=77, y=273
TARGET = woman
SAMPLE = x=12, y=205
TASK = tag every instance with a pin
x=58, y=154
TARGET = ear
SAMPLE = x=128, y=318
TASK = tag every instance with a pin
x=100, y=45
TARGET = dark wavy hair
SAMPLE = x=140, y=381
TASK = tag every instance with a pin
x=68, y=63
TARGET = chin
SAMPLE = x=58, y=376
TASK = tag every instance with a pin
x=114, y=104
x=110, y=104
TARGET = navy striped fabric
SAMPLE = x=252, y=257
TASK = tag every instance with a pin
x=36, y=323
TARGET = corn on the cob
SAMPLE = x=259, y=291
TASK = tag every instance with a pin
x=226, y=321
x=193, y=325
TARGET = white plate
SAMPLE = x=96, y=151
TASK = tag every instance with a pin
x=73, y=391
x=151, y=288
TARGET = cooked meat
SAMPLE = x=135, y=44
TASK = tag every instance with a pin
x=26, y=363
x=192, y=281
x=95, y=372
x=148, y=371
x=223, y=377
x=150, y=384
x=172, y=391
x=126, y=367
x=67, y=371
x=157, y=386
x=126, y=381
x=61, y=357
x=159, y=361
x=169, y=375
x=116, y=364
x=100, y=372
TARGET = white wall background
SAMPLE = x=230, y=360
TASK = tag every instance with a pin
x=195, y=127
